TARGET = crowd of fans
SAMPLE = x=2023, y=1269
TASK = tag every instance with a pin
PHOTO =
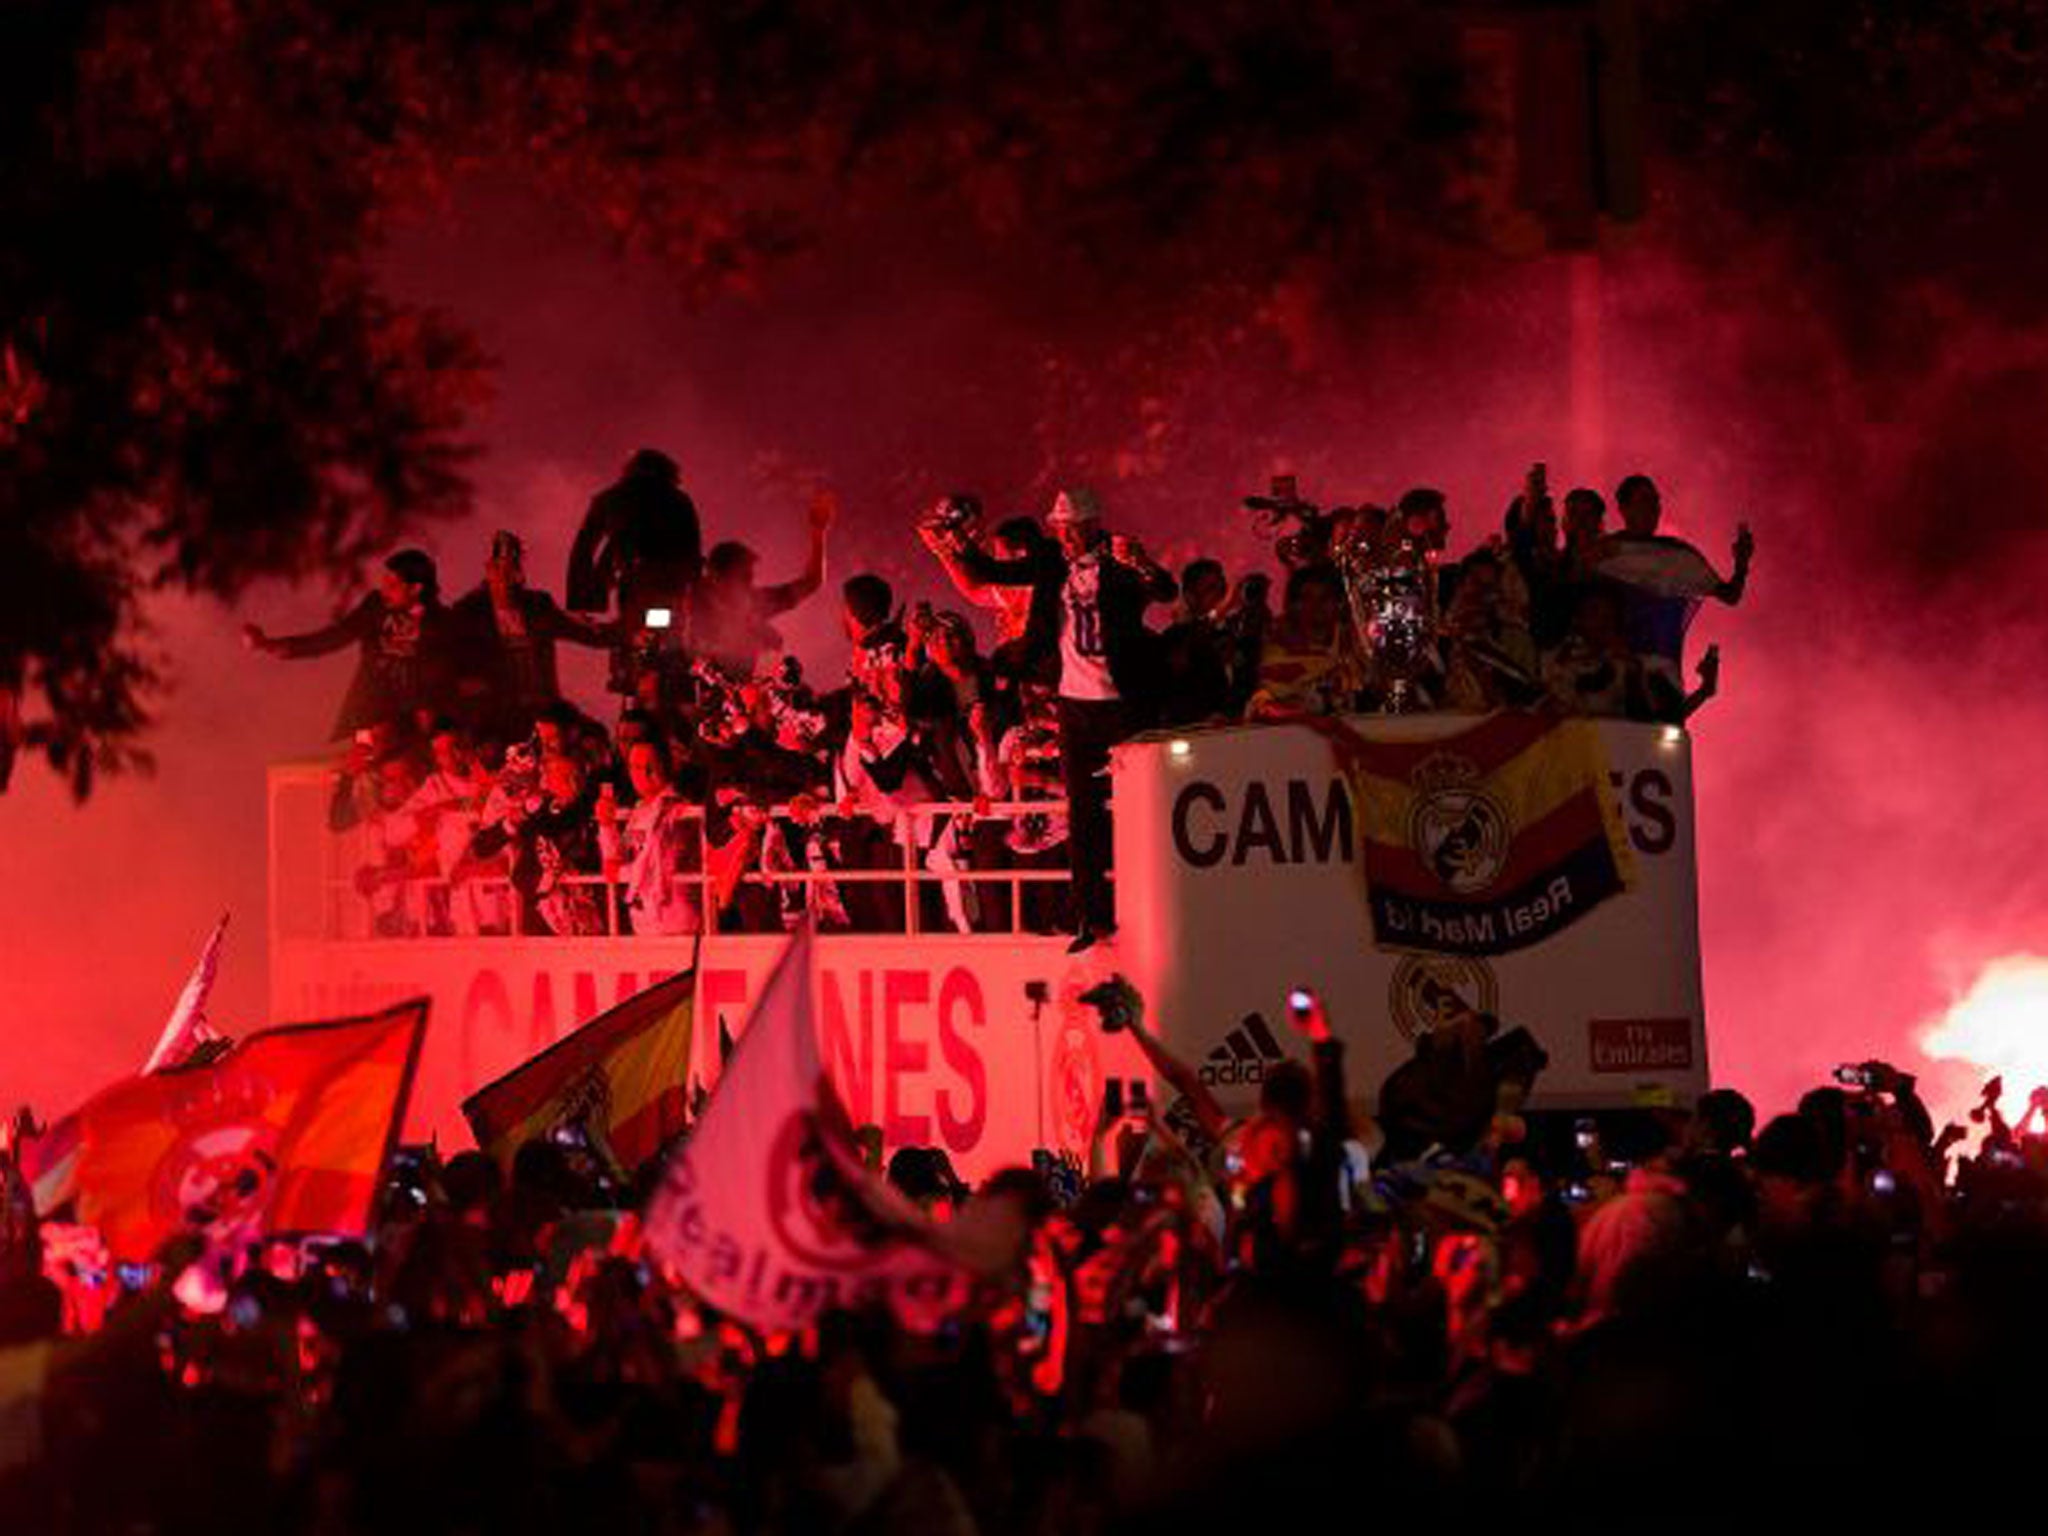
x=483, y=801
x=1448, y=1309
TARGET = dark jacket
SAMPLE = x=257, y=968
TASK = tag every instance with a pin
x=500, y=678
x=1195, y=660
x=1130, y=649
x=640, y=536
x=404, y=661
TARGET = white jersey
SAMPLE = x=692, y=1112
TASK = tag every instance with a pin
x=653, y=847
x=1084, y=656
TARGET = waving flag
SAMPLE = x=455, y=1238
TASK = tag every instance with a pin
x=1662, y=581
x=766, y=1211
x=1484, y=841
x=621, y=1078
x=49, y=1161
x=187, y=1032
x=287, y=1131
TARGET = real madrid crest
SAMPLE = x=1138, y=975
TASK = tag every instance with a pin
x=1427, y=990
x=1460, y=832
x=219, y=1173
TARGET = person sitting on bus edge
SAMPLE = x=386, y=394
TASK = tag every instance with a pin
x=883, y=776
x=1489, y=660
x=372, y=790
x=1592, y=671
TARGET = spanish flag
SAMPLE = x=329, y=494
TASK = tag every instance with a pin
x=1488, y=840
x=621, y=1078
x=287, y=1131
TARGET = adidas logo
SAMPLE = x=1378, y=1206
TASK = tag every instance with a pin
x=1244, y=1056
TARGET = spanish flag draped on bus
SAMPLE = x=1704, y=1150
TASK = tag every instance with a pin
x=1487, y=840
x=288, y=1131
x=620, y=1079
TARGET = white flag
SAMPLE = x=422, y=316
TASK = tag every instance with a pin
x=1657, y=564
x=766, y=1211
x=187, y=1029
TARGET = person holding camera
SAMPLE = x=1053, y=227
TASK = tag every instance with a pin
x=954, y=527
x=1089, y=592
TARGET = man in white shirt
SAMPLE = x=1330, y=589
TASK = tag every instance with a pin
x=1107, y=678
x=447, y=807
x=657, y=855
x=1089, y=592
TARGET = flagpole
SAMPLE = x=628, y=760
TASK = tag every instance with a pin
x=1034, y=993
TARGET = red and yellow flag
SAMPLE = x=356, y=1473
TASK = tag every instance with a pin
x=622, y=1076
x=1487, y=840
x=288, y=1131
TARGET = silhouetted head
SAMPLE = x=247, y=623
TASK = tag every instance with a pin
x=651, y=464
x=869, y=601
x=410, y=577
x=1640, y=506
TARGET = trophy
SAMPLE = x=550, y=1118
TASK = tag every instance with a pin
x=1390, y=582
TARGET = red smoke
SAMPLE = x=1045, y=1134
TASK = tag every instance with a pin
x=1869, y=805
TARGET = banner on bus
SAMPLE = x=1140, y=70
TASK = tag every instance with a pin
x=1248, y=858
x=977, y=1045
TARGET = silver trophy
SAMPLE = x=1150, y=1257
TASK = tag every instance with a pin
x=1390, y=582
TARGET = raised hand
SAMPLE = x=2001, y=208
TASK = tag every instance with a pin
x=1710, y=669
x=1305, y=1008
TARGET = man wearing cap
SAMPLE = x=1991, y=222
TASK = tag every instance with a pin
x=505, y=637
x=1089, y=592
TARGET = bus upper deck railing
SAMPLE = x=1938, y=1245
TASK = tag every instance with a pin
x=315, y=895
